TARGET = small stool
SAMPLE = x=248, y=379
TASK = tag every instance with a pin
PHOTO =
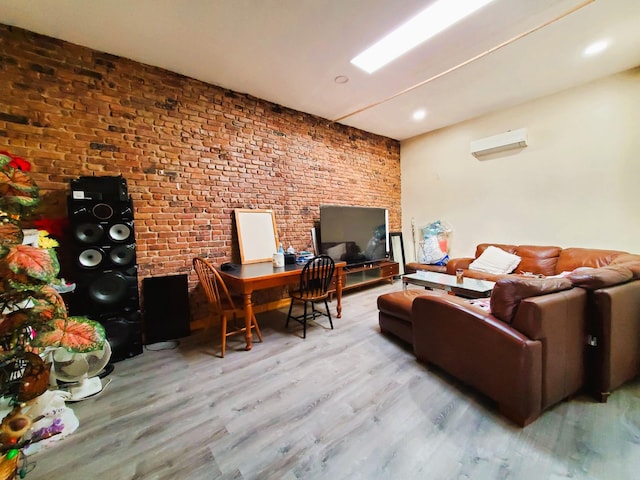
x=395, y=313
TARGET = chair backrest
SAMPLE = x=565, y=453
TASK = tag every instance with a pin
x=213, y=285
x=316, y=275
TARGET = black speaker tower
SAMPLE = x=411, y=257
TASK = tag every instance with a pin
x=103, y=261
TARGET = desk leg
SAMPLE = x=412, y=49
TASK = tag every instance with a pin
x=248, y=314
x=339, y=295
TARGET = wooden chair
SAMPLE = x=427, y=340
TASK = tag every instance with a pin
x=221, y=301
x=315, y=279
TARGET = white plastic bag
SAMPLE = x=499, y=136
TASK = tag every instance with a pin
x=52, y=420
x=434, y=246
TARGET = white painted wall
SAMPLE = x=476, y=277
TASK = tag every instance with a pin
x=577, y=184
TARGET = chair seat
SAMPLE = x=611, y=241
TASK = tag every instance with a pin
x=309, y=296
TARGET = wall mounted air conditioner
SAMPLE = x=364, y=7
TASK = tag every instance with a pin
x=498, y=143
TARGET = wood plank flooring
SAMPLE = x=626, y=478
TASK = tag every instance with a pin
x=348, y=403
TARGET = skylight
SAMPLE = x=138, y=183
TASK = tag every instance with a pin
x=425, y=25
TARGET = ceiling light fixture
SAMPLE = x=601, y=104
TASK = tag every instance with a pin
x=420, y=28
x=341, y=79
x=595, y=48
x=419, y=114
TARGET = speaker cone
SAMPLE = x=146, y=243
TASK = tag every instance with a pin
x=102, y=211
x=109, y=288
x=90, y=258
x=119, y=232
x=123, y=255
x=89, y=232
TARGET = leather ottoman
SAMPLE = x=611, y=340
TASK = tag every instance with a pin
x=394, y=314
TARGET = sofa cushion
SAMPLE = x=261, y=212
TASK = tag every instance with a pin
x=595, y=278
x=572, y=258
x=633, y=266
x=541, y=260
x=625, y=258
x=481, y=247
x=631, y=261
x=398, y=304
x=509, y=291
x=495, y=260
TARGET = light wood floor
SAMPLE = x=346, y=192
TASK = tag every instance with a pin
x=343, y=404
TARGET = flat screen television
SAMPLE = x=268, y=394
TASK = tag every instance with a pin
x=356, y=235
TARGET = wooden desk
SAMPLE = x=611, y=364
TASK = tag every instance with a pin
x=258, y=276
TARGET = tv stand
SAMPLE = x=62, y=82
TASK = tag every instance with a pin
x=369, y=273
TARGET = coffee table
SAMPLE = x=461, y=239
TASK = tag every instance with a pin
x=469, y=288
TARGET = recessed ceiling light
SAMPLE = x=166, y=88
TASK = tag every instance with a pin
x=428, y=23
x=341, y=79
x=419, y=114
x=595, y=48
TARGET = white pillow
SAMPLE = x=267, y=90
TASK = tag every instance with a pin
x=495, y=260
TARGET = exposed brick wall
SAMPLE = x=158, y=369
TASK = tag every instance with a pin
x=190, y=152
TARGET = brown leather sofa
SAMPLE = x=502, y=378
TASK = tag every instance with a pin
x=526, y=358
x=614, y=342
x=535, y=259
x=613, y=324
x=588, y=336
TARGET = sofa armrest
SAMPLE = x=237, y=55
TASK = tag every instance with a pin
x=480, y=351
x=614, y=325
x=414, y=267
x=558, y=321
x=454, y=263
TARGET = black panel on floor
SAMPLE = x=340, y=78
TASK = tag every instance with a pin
x=166, y=308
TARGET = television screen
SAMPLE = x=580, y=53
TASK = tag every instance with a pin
x=355, y=235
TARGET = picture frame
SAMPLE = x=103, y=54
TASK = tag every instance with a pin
x=257, y=234
x=397, y=250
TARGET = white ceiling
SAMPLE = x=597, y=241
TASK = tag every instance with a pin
x=290, y=51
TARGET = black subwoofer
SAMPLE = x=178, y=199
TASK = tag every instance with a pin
x=103, y=267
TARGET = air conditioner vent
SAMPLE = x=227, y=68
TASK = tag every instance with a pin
x=498, y=143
